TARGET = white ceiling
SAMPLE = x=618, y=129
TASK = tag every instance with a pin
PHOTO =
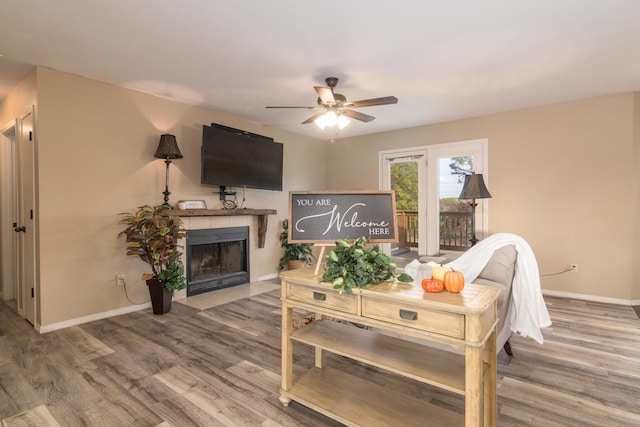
x=443, y=60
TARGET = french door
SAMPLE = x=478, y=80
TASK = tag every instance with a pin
x=405, y=171
x=432, y=175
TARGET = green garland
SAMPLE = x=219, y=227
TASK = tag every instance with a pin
x=353, y=265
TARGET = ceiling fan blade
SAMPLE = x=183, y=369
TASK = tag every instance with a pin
x=287, y=106
x=357, y=115
x=325, y=94
x=374, y=101
x=313, y=118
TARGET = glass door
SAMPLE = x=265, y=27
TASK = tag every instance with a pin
x=448, y=165
x=454, y=214
x=405, y=172
x=428, y=181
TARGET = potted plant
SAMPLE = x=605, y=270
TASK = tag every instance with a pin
x=294, y=255
x=356, y=265
x=154, y=236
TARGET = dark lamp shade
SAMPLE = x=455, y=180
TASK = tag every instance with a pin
x=168, y=148
x=474, y=188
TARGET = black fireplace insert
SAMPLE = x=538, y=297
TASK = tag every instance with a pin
x=217, y=258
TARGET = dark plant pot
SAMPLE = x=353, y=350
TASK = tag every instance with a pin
x=160, y=296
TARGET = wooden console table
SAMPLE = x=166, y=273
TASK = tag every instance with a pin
x=465, y=322
x=262, y=215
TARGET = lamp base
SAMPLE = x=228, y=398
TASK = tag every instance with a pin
x=166, y=199
x=473, y=238
x=166, y=191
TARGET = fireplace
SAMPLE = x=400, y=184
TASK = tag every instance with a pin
x=217, y=258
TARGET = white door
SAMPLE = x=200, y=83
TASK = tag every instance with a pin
x=405, y=171
x=25, y=227
x=438, y=189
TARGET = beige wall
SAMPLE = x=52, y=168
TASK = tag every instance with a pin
x=95, y=149
x=19, y=100
x=561, y=176
x=635, y=200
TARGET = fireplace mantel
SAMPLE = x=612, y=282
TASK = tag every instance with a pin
x=262, y=215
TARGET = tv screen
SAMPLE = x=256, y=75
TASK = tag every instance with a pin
x=234, y=158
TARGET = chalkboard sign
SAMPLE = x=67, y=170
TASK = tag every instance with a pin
x=316, y=217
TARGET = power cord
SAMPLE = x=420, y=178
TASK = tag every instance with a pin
x=233, y=203
x=230, y=204
x=566, y=270
x=124, y=282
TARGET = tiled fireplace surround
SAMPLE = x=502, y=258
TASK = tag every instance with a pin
x=255, y=220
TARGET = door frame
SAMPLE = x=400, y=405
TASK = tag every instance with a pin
x=479, y=148
x=429, y=206
x=27, y=215
x=19, y=254
x=8, y=211
x=419, y=154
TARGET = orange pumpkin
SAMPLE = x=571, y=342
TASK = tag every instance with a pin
x=430, y=284
x=439, y=271
x=454, y=281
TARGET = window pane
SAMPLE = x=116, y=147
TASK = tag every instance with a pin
x=454, y=213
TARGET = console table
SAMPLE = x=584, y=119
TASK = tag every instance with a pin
x=466, y=363
x=262, y=215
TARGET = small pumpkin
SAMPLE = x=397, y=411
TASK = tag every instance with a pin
x=439, y=271
x=453, y=281
x=429, y=284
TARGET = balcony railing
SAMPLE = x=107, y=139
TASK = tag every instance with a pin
x=455, y=230
x=407, y=229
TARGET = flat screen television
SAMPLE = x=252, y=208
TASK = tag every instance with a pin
x=235, y=158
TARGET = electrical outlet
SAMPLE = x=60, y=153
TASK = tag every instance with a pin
x=120, y=280
x=574, y=268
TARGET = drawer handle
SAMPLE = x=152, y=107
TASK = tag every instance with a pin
x=319, y=297
x=408, y=315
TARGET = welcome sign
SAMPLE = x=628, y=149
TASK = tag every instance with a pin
x=317, y=217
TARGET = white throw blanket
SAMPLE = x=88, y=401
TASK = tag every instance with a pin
x=527, y=312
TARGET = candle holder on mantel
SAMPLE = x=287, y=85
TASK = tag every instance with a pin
x=167, y=150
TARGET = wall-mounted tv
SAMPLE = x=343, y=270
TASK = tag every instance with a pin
x=235, y=158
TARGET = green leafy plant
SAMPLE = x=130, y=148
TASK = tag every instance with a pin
x=153, y=236
x=354, y=265
x=173, y=276
x=293, y=251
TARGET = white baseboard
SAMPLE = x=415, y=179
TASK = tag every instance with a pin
x=111, y=313
x=268, y=277
x=86, y=319
x=593, y=298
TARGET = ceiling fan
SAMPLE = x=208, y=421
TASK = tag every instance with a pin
x=335, y=107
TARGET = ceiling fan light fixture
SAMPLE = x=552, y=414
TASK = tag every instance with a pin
x=336, y=107
x=330, y=118
x=343, y=121
x=321, y=121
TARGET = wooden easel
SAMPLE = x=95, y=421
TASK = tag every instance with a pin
x=321, y=255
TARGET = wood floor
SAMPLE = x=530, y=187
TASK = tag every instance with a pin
x=216, y=362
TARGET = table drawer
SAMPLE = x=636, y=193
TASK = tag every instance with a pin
x=328, y=298
x=440, y=322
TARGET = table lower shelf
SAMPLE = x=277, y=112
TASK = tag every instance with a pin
x=357, y=402
x=430, y=365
